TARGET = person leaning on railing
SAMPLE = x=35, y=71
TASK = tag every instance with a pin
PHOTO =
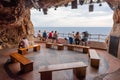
x=71, y=38
x=77, y=38
x=85, y=38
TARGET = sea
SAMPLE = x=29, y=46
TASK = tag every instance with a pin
x=91, y=30
x=66, y=30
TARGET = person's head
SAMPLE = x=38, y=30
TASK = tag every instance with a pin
x=39, y=30
x=77, y=33
x=83, y=32
x=44, y=30
x=24, y=37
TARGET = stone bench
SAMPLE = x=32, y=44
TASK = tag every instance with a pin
x=24, y=50
x=25, y=64
x=72, y=47
x=59, y=46
x=79, y=69
x=94, y=58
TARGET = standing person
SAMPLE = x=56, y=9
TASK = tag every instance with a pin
x=50, y=35
x=85, y=37
x=44, y=35
x=55, y=36
x=71, y=38
x=77, y=38
x=39, y=35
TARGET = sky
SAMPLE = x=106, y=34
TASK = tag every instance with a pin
x=67, y=17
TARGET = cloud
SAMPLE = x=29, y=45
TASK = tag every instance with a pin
x=67, y=17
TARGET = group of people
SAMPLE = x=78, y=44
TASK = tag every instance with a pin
x=77, y=39
x=53, y=35
x=73, y=38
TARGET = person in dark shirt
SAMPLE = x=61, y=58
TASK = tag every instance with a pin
x=44, y=35
x=77, y=38
x=85, y=37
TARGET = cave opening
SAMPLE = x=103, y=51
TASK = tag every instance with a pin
x=101, y=16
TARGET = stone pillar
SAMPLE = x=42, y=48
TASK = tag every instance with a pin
x=116, y=28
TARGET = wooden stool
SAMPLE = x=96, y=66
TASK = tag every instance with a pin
x=70, y=47
x=49, y=45
x=60, y=46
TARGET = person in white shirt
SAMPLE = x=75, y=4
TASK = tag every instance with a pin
x=26, y=42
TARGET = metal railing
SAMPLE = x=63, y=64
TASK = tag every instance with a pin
x=97, y=37
x=92, y=37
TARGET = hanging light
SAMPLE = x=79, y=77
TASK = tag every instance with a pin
x=56, y=7
x=91, y=7
x=98, y=1
x=45, y=11
x=100, y=4
x=74, y=4
x=91, y=1
x=81, y=2
x=39, y=9
x=66, y=5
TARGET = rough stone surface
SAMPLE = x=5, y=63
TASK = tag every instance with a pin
x=14, y=23
x=116, y=28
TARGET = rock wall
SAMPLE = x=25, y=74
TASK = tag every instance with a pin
x=116, y=28
x=14, y=23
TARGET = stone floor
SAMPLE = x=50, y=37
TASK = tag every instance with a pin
x=108, y=64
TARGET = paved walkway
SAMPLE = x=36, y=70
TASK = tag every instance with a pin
x=46, y=57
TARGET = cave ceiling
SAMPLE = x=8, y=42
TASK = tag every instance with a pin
x=38, y=4
x=45, y=4
x=11, y=10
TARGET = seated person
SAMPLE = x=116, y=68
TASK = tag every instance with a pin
x=77, y=38
x=39, y=35
x=24, y=43
x=21, y=44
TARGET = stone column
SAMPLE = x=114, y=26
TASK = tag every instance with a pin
x=116, y=28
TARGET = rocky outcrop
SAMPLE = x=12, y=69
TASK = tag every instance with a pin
x=15, y=19
x=116, y=29
x=116, y=25
x=14, y=23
